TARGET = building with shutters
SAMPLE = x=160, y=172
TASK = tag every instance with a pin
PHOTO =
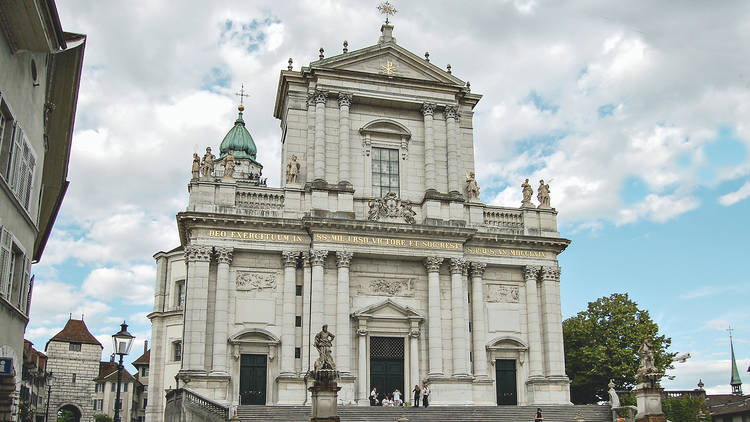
x=40, y=69
x=378, y=231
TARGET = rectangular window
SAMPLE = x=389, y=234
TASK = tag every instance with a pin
x=94, y=404
x=385, y=175
x=6, y=263
x=297, y=352
x=125, y=387
x=298, y=290
x=180, y=294
x=297, y=321
x=6, y=139
x=145, y=401
x=74, y=347
x=144, y=371
x=177, y=346
x=20, y=162
x=113, y=388
x=74, y=378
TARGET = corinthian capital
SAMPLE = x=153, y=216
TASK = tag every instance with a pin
x=432, y=263
x=551, y=273
x=458, y=265
x=318, y=256
x=200, y=253
x=451, y=112
x=224, y=254
x=345, y=99
x=531, y=272
x=289, y=258
x=321, y=97
x=428, y=109
x=477, y=269
x=305, y=259
x=343, y=259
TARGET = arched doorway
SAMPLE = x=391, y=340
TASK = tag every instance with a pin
x=69, y=413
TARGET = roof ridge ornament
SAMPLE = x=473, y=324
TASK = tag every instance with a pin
x=242, y=95
x=387, y=9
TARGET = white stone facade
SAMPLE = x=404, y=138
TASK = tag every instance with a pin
x=462, y=283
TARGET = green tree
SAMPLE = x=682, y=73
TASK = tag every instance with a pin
x=684, y=409
x=102, y=418
x=601, y=343
x=65, y=415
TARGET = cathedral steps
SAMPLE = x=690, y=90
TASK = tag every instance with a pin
x=431, y=414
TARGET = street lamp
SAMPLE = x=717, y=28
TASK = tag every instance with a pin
x=122, y=343
x=50, y=381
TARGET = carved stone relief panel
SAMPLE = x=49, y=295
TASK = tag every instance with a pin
x=502, y=293
x=254, y=280
x=387, y=286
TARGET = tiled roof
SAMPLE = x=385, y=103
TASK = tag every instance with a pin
x=108, y=372
x=728, y=404
x=75, y=331
x=144, y=359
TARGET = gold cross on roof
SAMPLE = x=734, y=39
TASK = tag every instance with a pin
x=387, y=9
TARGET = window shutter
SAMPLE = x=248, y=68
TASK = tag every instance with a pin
x=14, y=154
x=26, y=176
x=30, y=289
x=5, y=263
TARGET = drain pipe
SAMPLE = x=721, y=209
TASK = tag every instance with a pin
x=309, y=315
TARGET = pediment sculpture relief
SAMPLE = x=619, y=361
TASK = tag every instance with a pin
x=391, y=207
x=255, y=281
x=498, y=293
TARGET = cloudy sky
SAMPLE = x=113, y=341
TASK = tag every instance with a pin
x=638, y=112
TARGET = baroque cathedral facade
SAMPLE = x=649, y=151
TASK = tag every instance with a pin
x=377, y=231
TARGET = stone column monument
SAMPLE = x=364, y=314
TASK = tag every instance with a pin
x=324, y=390
x=648, y=391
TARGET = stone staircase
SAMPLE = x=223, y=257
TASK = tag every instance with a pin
x=431, y=414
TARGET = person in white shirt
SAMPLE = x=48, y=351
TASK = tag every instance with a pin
x=425, y=395
x=374, y=397
x=397, y=398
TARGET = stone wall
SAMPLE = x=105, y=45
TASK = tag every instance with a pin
x=64, y=363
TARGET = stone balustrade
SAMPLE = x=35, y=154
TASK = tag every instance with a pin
x=257, y=201
x=503, y=220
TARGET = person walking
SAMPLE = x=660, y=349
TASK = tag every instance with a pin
x=416, y=392
x=425, y=395
x=538, y=417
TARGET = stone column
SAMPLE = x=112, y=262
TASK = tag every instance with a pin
x=320, y=135
x=429, y=146
x=198, y=258
x=459, y=328
x=221, y=318
x=306, y=331
x=345, y=100
x=362, y=388
x=434, y=322
x=289, y=260
x=413, y=359
x=532, y=320
x=552, y=321
x=310, y=150
x=479, y=325
x=318, y=260
x=343, y=328
x=452, y=144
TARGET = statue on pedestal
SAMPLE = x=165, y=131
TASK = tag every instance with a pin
x=472, y=188
x=543, y=195
x=324, y=342
x=324, y=390
x=647, y=366
x=196, y=169
x=527, y=191
x=292, y=170
x=207, y=164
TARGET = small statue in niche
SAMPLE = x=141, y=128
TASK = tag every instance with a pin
x=207, y=164
x=229, y=165
x=543, y=195
x=472, y=188
x=292, y=170
x=196, y=169
x=527, y=191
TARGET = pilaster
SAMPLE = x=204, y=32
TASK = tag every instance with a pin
x=479, y=325
x=289, y=260
x=310, y=147
x=221, y=318
x=429, y=146
x=343, y=337
x=198, y=258
x=451, y=125
x=362, y=395
x=306, y=331
x=317, y=302
x=459, y=328
x=320, y=134
x=434, y=322
x=532, y=319
x=552, y=322
x=345, y=101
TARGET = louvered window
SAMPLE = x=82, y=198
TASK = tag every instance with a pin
x=21, y=163
x=5, y=263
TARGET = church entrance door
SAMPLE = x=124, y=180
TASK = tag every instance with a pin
x=387, y=365
x=505, y=378
x=253, y=379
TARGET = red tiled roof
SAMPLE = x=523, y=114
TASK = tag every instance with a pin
x=144, y=359
x=75, y=331
x=109, y=369
x=728, y=404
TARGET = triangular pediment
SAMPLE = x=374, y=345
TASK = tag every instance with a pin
x=390, y=60
x=388, y=309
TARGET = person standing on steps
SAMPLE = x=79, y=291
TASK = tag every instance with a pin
x=416, y=392
x=425, y=395
x=374, y=397
x=538, y=417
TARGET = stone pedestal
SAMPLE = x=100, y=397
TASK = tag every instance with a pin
x=324, y=403
x=649, y=404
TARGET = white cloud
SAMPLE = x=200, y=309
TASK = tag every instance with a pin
x=135, y=284
x=736, y=196
x=658, y=208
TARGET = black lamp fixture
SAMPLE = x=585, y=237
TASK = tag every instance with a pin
x=122, y=342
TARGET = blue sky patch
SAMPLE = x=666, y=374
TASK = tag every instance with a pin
x=250, y=34
x=634, y=189
x=541, y=103
x=606, y=110
x=726, y=150
x=217, y=77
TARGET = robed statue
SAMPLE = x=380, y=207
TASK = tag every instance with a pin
x=196, y=169
x=527, y=191
x=207, y=164
x=543, y=195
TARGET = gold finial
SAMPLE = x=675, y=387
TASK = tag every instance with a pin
x=242, y=96
x=387, y=9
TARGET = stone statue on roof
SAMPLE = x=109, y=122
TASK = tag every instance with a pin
x=196, y=169
x=527, y=191
x=543, y=195
x=472, y=188
x=207, y=164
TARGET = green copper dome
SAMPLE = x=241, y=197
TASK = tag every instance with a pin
x=238, y=140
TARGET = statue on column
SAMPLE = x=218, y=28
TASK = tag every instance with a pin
x=207, y=164
x=324, y=342
x=292, y=170
x=196, y=169
x=472, y=188
x=229, y=165
x=527, y=191
x=648, y=365
x=543, y=195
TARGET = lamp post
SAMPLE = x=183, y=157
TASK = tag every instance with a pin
x=122, y=342
x=50, y=381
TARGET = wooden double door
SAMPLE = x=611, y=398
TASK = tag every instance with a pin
x=505, y=380
x=253, y=370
